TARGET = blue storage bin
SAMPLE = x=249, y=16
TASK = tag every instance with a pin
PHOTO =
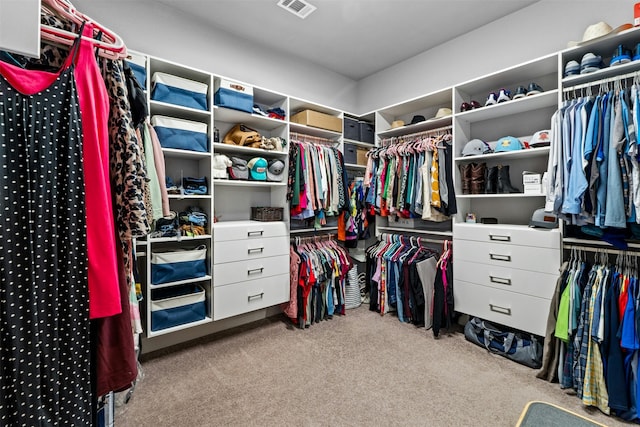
x=178, y=264
x=177, y=305
x=181, y=134
x=179, y=91
x=234, y=95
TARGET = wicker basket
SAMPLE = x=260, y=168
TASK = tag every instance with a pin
x=266, y=214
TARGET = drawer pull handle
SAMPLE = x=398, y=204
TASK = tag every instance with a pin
x=501, y=310
x=255, y=233
x=260, y=295
x=499, y=238
x=498, y=257
x=255, y=270
x=252, y=250
x=500, y=280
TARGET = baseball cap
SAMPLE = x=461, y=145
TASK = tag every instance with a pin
x=475, y=147
x=508, y=143
x=258, y=168
x=540, y=139
x=275, y=170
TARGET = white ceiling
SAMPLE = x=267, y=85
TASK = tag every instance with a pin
x=355, y=38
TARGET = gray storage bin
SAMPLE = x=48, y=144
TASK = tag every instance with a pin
x=351, y=129
x=366, y=132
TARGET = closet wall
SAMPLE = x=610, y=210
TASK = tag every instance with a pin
x=540, y=29
x=159, y=30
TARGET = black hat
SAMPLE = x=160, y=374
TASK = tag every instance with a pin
x=417, y=119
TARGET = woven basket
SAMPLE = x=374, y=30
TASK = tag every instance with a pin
x=266, y=214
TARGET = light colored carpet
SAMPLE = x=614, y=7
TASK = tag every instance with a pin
x=355, y=370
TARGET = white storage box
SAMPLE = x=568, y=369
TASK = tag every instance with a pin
x=177, y=305
x=181, y=134
x=531, y=178
x=234, y=95
x=178, y=264
x=533, y=189
x=179, y=91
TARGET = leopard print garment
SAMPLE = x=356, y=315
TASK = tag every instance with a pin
x=126, y=159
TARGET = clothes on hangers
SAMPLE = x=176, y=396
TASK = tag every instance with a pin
x=353, y=223
x=411, y=280
x=594, y=333
x=318, y=279
x=412, y=178
x=317, y=182
x=593, y=175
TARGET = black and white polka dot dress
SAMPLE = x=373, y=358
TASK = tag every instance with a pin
x=44, y=316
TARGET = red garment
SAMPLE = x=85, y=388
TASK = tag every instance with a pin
x=104, y=293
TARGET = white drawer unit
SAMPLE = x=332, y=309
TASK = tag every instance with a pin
x=234, y=299
x=524, y=312
x=250, y=269
x=506, y=273
x=238, y=250
x=237, y=230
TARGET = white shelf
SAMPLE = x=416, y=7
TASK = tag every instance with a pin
x=172, y=110
x=497, y=196
x=354, y=166
x=228, y=148
x=591, y=242
x=416, y=230
x=312, y=230
x=189, y=196
x=358, y=143
x=180, y=239
x=603, y=73
x=416, y=128
x=185, y=154
x=516, y=106
x=518, y=154
x=311, y=131
x=222, y=114
x=239, y=183
x=151, y=334
x=180, y=282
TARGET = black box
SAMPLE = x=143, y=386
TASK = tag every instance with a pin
x=351, y=129
x=350, y=154
x=366, y=132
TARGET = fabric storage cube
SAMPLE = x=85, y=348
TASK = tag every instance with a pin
x=361, y=156
x=366, y=132
x=178, y=264
x=181, y=134
x=351, y=129
x=177, y=305
x=234, y=95
x=138, y=64
x=179, y=91
x=350, y=153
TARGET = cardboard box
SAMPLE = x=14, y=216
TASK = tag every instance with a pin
x=362, y=156
x=318, y=120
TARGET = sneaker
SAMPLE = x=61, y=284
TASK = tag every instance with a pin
x=572, y=68
x=636, y=52
x=521, y=92
x=475, y=104
x=465, y=106
x=590, y=63
x=258, y=110
x=620, y=56
x=504, y=96
x=534, y=89
x=491, y=99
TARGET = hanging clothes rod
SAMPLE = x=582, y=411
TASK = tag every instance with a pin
x=600, y=250
x=422, y=134
x=417, y=239
x=310, y=239
x=301, y=137
x=634, y=74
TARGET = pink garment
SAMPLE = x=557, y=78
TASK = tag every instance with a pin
x=291, y=308
x=158, y=159
x=104, y=292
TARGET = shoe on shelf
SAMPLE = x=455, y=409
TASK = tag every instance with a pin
x=475, y=104
x=465, y=106
x=621, y=56
x=534, y=89
x=636, y=52
x=590, y=63
x=258, y=110
x=504, y=96
x=572, y=68
x=521, y=92
x=491, y=99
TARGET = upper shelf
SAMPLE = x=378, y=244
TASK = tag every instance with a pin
x=416, y=128
x=173, y=110
x=252, y=120
x=220, y=147
x=518, y=154
x=528, y=103
x=601, y=74
x=309, y=130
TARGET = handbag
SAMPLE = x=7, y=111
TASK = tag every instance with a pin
x=243, y=135
x=519, y=347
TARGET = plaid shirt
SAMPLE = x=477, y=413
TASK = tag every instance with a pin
x=581, y=343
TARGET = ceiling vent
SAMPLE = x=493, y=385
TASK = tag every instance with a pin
x=300, y=8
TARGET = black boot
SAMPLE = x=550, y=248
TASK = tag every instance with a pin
x=465, y=178
x=504, y=182
x=491, y=182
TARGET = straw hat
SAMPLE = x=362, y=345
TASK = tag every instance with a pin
x=397, y=124
x=597, y=31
